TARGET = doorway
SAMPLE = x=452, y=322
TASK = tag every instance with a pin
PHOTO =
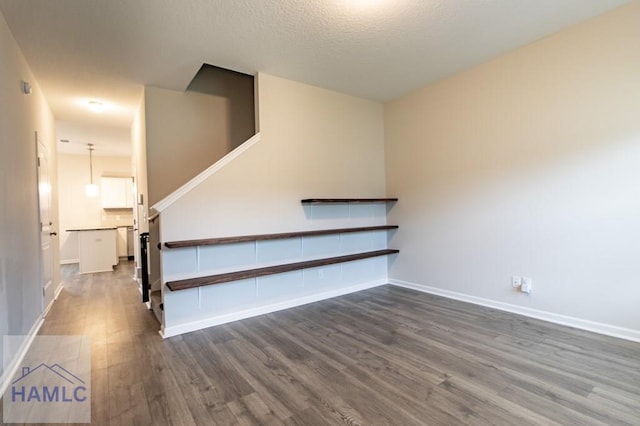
x=47, y=231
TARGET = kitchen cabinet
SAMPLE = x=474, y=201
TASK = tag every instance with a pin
x=117, y=193
x=97, y=249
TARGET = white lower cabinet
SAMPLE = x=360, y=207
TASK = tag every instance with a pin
x=98, y=250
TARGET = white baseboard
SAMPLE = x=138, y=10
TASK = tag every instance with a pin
x=137, y=275
x=11, y=369
x=69, y=261
x=596, y=327
x=55, y=297
x=58, y=291
x=266, y=309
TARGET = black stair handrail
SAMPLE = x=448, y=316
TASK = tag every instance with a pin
x=144, y=264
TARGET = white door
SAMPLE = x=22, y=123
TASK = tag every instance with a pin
x=46, y=225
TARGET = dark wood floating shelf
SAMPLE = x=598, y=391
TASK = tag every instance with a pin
x=262, y=237
x=347, y=200
x=271, y=270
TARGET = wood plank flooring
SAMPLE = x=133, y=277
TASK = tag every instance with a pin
x=382, y=356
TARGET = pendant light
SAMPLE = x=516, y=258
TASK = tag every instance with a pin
x=91, y=189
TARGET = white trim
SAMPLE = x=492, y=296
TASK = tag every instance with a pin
x=266, y=309
x=58, y=291
x=137, y=275
x=55, y=297
x=48, y=307
x=10, y=371
x=596, y=327
x=69, y=261
x=184, y=189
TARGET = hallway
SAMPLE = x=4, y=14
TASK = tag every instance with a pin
x=107, y=307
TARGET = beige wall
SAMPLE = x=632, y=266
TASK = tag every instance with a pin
x=139, y=170
x=314, y=143
x=20, y=117
x=79, y=211
x=238, y=91
x=186, y=132
x=139, y=140
x=139, y=164
x=527, y=165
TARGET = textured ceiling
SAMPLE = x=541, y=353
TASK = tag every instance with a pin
x=377, y=49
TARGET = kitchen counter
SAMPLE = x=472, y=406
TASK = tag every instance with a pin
x=97, y=249
x=91, y=229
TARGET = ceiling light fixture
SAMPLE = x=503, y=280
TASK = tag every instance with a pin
x=91, y=189
x=95, y=106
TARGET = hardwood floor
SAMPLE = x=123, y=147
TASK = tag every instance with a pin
x=382, y=356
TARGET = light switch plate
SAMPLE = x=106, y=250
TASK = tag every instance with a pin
x=516, y=281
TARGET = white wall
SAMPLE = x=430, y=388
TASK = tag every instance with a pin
x=20, y=117
x=527, y=165
x=314, y=143
x=79, y=211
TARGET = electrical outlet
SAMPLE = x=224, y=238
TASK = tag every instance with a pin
x=320, y=274
x=527, y=285
x=516, y=281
